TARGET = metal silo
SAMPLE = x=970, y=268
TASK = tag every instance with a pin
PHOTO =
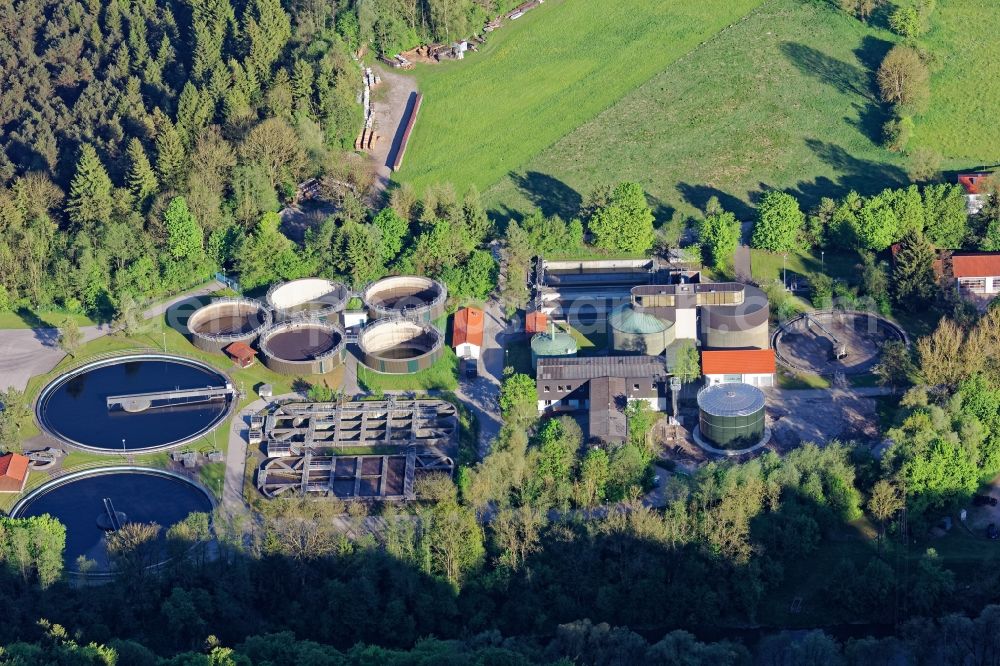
x=639, y=332
x=731, y=416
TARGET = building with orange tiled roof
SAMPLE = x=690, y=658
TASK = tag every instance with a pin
x=749, y=366
x=467, y=334
x=13, y=472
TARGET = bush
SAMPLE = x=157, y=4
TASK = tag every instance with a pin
x=896, y=133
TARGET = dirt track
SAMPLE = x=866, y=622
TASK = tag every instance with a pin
x=392, y=99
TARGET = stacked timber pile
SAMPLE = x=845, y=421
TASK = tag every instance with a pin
x=368, y=137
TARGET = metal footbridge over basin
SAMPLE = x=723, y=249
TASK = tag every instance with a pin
x=140, y=402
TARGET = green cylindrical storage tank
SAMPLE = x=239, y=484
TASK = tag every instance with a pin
x=556, y=344
x=639, y=332
x=731, y=416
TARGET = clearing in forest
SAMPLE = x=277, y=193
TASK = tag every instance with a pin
x=543, y=75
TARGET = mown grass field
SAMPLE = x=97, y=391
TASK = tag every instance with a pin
x=543, y=75
x=782, y=99
x=965, y=91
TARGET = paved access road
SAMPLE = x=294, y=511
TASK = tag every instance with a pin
x=482, y=393
x=26, y=352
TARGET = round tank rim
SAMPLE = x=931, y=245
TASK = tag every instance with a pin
x=94, y=364
x=731, y=400
x=75, y=475
x=436, y=346
x=278, y=327
x=232, y=337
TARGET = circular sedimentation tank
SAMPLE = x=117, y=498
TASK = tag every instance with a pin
x=74, y=408
x=414, y=297
x=134, y=494
x=307, y=298
x=639, y=332
x=219, y=324
x=400, y=347
x=731, y=416
x=555, y=344
x=831, y=342
x=303, y=347
x=742, y=326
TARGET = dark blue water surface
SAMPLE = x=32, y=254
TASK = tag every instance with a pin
x=142, y=497
x=77, y=409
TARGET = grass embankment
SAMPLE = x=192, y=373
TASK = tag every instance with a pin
x=965, y=92
x=782, y=99
x=543, y=75
x=443, y=375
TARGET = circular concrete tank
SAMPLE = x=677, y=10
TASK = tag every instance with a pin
x=399, y=347
x=552, y=345
x=308, y=298
x=414, y=297
x=219, y=324
x=639, y=332
x=742, y=326
x=303, y=347
x=731, y=416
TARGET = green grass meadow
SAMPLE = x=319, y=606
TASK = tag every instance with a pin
x=783, y=99
x=965, y=94
x=539, y=77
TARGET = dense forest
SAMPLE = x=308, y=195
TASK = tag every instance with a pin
x=144, y=145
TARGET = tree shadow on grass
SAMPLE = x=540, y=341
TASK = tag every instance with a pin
x=844, y=77
x=866, y=177
x=698, y=196
x=550, y=195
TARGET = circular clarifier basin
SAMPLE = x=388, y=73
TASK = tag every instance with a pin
x=412, y=296
x=302, y=347
x=135, y=495
x=163, y=401
x=221, y=323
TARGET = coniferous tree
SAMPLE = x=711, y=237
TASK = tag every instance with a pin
x=171, y=159
x=142, y=181
x=90, y=202
x=913, y=275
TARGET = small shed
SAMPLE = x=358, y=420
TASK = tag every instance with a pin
x=242, y=354
x=536, y=322
x=13, y=472
x=467, y=335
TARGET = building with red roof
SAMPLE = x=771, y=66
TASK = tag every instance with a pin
x=749, y=366
x=975, y=190
x=468, y=331
x=242, y=354
x=976, y=272
x=13, y=472
x=536, y=322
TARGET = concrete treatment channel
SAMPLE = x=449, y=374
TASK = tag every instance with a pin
x=398, y=347
x=303, y=347
x=219, y=324
x=307, y=298
x=413, y=297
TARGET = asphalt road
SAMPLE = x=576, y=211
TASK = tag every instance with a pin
x=26, y=352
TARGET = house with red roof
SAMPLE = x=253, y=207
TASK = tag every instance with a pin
x=975, y=189
x=976, y=273
x=467, y=334
x=749, y=366
x=13, y=472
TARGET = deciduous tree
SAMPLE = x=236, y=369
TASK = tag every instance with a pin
x=779, y=223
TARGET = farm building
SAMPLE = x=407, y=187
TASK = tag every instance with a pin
x=974, y=184
x=13, y=472
x=467, y=333
x=748, y=366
